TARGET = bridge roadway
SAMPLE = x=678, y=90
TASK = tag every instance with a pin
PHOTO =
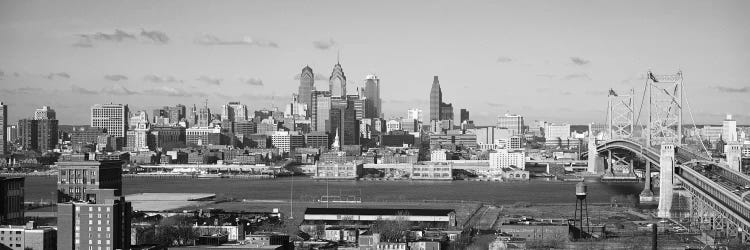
x=725, y=191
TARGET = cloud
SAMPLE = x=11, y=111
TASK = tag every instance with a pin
x=324, y=45
x=117, y=36
x=579, y=76
x=115, y=78
x=579, y=61
x=210, y=80
x=155, y=36
x=726, y=89
x=504, y=59
x=80, y=90
x=318, y=77
x=57, y=75
x=209, y=40
x=252, y=81
x=168, y=91
x=118, y=90
x=160, y=79
x=83, y=42
x=21, y=91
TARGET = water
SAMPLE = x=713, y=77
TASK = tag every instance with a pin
x=43, y=188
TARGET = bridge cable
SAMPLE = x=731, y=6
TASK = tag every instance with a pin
x=690, y=111
x=643, y=98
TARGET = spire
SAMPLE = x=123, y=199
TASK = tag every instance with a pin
x=338, y=56
x=335, y=145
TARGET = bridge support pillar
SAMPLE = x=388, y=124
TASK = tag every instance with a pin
x=733, y=152
x=647, y=195
x=666, y=180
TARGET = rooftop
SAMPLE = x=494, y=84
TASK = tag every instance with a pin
x=380, y=211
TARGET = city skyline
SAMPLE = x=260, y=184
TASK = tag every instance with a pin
x=559, y=59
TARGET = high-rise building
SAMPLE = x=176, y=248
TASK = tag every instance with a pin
x=464, y=115
x=446, y=111
x=337, y=81
x=415, y=114
x=306, y=87
x=729, y=129
x=45, y=113
x=76, y=177
x=296, y=108
x=373, y=102
x=4, y=126
x=503, y=158
x=102, y=221
x=204, y=116
x=47, y=135
x=286, y=141
x=321, y=111
x=112, y=117
x=436, y=100
x=350, y=125
x=80, y=138
x=11, y=200
x=511, y=121
x=176, y=113
x=234, y=111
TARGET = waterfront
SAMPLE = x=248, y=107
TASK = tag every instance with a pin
x=306, y=189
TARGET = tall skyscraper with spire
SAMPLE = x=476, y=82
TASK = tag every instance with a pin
x=372, y=97
x=306, y=87
x=436, y=99
x=337, y=81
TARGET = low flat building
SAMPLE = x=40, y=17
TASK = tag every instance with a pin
x=28, y=236
x=432, y=171
x=317, y=220
x=346, y=171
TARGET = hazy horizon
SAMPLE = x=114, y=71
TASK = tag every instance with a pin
x=545, y=60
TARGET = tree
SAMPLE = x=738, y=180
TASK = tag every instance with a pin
x=393, y=230
x=175, y=231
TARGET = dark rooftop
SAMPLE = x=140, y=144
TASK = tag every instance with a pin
x=379, y=211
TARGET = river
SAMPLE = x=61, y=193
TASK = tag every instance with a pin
x=535, y=191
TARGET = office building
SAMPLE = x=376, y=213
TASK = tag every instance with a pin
x=409, y=125
x=176, y=113
x=464, y=115
x=102, y=221
x=503, y=158
x=5, y=129
x=337, y=170
x=414, y=114
x=359, y=106
x=286, y=141
x=436, y=100
x=446, y=111
x=349, y=126
x=45, y=113
x=168, y=136
x=373, y=102
x=203, y=136
x=83, y=137
x=245, y=128
x=554, y=131
x=511, y=121
x=11, y=200
x=28, y=236
x=296, y=108
x=234, y=111
x=317, y=139
x=337, y=81
x=306, y=87
x=729, y=129
x=321, y=111
x=112, y=117
x=204, y=116
x=75, y=177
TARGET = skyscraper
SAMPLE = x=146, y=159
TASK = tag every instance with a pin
x=436, y=99
x=101, y=222
x=414, y=114
x=234, y=111
x=76, y=177
x=373, y=103
x=45, y=113
x=729, y=129
x=464, y=115
x=306, y=87
x=112, y=117
x=204, y=116
x=321, y=111
x=512, y=122
x=176, y=113
x=4, y=126
x=337, y=81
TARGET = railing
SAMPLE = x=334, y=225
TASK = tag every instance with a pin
x=725, y=202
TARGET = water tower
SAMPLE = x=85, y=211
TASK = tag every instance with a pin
x=581, y=230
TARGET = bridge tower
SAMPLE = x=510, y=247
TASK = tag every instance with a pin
x=664, y=109
x=666, y=180
x=621, y=118
x=733, y=151
x=595, y=164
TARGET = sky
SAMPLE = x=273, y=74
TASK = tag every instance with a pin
x=546, y=60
